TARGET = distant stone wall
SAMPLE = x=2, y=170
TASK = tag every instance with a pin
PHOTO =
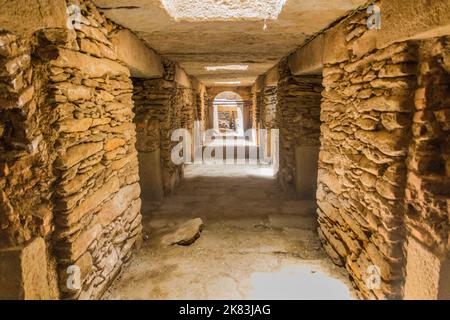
x=254, y=108
x=201, y=102
x=162, y=106
x=269, y=108
x=298, y=118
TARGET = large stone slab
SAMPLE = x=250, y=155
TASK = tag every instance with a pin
x=24, y=273
x=335, y=45
x=306, y=168
x=182, y=78
x=140, y=59
x=151, y=175
x=427, y=276
x=271, y=77
x=27, y=16
x=309, y=58
x=413, y=19
x=94, y=67
x=186, y=234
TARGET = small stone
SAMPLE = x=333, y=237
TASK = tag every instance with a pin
x=185, y=235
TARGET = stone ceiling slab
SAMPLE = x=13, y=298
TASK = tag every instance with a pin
x=198, y=44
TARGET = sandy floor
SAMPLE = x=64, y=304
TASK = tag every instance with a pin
x=257, y=243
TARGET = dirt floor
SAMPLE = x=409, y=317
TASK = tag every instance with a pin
x=257, y=243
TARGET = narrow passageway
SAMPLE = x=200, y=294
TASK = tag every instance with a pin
x=258, y=242
x=117, y=119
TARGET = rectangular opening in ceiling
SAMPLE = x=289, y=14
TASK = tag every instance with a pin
x=223, y=10
x=229, y=67
x=229, y=83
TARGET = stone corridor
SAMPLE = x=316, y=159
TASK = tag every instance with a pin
x=111, y=110
x=258, y=242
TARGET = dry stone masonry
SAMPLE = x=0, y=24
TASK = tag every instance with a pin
x=298, y=119
x=87, y=111
x=383, y=133
x=428, y=182
x=366, y=115
x=97, y=203
x=26, y=155
x=72, y=147
x=162, y=106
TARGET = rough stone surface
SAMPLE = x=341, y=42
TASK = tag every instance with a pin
x=427, y=275
x=298, y=118
x=415, y=19
x=67, y=154
x=24, y=273
x=186, y=234
x=309, y=58
x=362, y=170
x=37, y=15
x=97, y=205
x=427, y=190
x=216, y=43
x=161, y=106
x=142, y=61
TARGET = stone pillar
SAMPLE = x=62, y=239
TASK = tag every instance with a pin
x=298, y=117
x=428, y=182
x=26, y=176
x=24, y=272
x=148, y=145
x=366, y=113
x=97, y=194
x=167, y=105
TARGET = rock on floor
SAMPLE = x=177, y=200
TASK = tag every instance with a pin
x=185, y=235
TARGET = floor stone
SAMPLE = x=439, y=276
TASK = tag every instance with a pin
x=250, y=247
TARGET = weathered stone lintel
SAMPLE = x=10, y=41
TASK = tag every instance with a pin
x=182, y=78
x=141, y=60
x=308, y=59
x=26, y=17
x=94, y=67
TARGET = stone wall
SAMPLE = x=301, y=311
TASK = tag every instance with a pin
x=26, y=179
x=162, y=106
x=366, y=114
x=202, y=111
x=269, y=108
x=97, y=198
x=254, y=114
x=69, y=171
x=298, y=119
x=428, y=180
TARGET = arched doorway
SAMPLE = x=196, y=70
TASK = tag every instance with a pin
x=228, y=114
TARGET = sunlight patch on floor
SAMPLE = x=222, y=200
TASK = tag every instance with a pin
x=212, y=170
x=298, y=283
